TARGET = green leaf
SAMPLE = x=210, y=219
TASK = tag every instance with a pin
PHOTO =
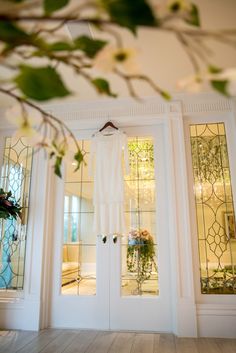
x=60, y=46
x=89, y=46
x=51, y=6
x=12, y=34
x=130, y=14
x=57, y=166
x=79, y=159
x=40, y=83
x=220, y=86
x=166, y=95
x=214, y=69
x=103, y=86
x=194, y=18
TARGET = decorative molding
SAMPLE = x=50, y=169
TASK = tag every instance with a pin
x=216, y=309
x=153, y=106
x=104, y=109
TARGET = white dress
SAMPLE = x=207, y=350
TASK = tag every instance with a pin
x=106, y=163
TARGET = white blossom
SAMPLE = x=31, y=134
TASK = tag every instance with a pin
x=110, y=58
x=191, y=83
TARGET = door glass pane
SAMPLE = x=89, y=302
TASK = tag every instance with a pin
x=214, y=209
x=79, y=247
x=15, y=177
x=139, y=248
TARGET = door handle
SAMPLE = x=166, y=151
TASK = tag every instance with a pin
x=104, y=239
x=114, y=239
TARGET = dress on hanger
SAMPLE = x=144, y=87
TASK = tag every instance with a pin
x=106, y=164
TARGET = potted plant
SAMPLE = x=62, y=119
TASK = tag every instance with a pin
x=141, y=255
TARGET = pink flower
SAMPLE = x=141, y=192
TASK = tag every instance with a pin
x=7, y=203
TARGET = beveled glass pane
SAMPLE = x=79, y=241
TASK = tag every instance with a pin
x=78, y=269
x=147, y=195
x=214, y=209
x=79, y=247
x=139, y=249
x=131, y=195
x=15, y=177
x=141, y=158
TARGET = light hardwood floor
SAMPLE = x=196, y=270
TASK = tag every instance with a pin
x=74, y=341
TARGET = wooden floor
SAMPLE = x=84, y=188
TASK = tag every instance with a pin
x=74, y=341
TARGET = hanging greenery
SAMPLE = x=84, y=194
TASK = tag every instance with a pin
x=141, y=255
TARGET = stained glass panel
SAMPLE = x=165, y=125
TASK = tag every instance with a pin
x=15, y=177
x=214, y=209
x=139, y=248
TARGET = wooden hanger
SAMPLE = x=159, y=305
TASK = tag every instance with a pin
x=108, y=123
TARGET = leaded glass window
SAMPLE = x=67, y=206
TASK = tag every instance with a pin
x=79, y=246
x=139, y=248
x=15, y=177
x=214, y=208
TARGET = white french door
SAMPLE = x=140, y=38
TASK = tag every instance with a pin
x=122, y=283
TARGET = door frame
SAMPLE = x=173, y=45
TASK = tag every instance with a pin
x=96, y=314
x=182, y=292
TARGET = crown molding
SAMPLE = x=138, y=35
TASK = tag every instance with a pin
x=184, y=104
x=128, y=108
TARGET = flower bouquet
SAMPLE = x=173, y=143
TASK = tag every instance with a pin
x=9, y=207
x=141, y=255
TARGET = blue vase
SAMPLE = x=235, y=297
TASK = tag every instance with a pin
x=135, y=242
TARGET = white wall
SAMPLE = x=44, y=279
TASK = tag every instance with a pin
x=193, y=313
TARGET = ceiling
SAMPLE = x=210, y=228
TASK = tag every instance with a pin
x=161, y=56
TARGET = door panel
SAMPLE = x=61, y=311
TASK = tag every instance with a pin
x=80, y=295
x=139, y=287
x=114, y=285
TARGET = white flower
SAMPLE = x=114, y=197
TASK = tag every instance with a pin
x=191, y=83
x=110, y=58
x=25, y=122
x=194, y=83
x=17, y=117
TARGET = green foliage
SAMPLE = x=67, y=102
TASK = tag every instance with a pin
x=130, y=14
x=51, y=6
x=89, y=46
x=141, y=259
x=12, y=34
x=103, y=86
x=79, y=159
x=9, y=208
x=57, y=166
x=60, y=46
x=194, y=18
x=214, y=69
x=220, y=86
x=40, y=83
x=166, y=95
